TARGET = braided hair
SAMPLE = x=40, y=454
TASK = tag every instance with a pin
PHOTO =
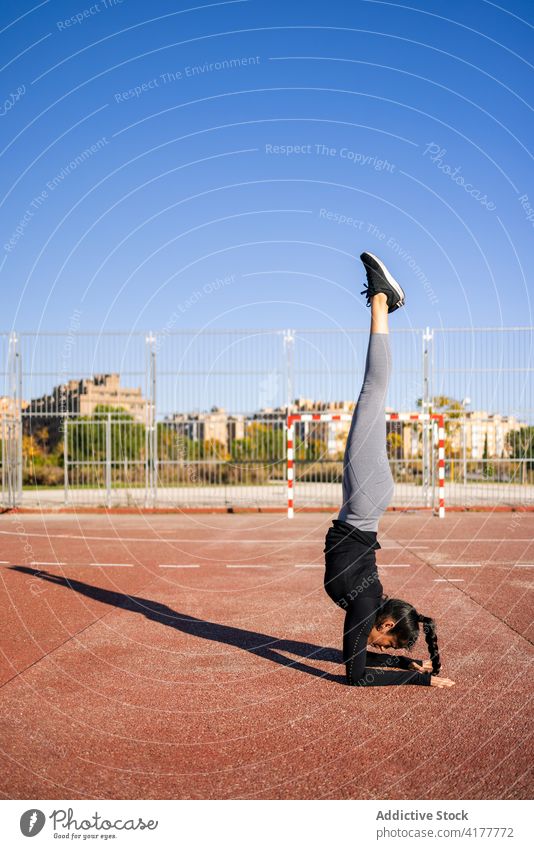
x=406, y=628
x=429, y=630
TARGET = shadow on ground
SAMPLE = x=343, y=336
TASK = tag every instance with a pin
x=263, y=645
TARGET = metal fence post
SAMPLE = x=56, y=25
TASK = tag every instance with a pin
x=14, y=433
x=151, y=432
x=108, y=460
x=426, y=403
x=3, y=449
x=66, y=459
x=18, y=361
x=289, y=347
x=147, y=431
x=154, y=425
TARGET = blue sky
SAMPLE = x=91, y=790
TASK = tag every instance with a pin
x=151, y=151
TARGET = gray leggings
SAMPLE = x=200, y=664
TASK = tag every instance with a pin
x=367, y=480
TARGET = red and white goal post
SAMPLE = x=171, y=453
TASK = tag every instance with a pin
x=337, y=417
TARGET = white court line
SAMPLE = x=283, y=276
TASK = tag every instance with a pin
x=458, y=565
x=395, y=565
x=5, y=561
x=109, y=564
x=48, y=563
x=524, y=565
x=468, y=539
x=309, y=566
x=449, y=581
x=247, y=566
x=179, y=566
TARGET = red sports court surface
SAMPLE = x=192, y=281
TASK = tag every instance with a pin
x=198, y=657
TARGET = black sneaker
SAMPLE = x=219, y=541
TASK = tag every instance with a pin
x=380, y=280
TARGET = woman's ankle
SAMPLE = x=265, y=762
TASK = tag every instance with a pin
x=379, y=313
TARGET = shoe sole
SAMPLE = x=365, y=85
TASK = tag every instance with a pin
x=389, y=279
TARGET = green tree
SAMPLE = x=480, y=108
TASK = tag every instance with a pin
x=86, y=435
x=40, y=451
x=262, y=442
x=212, y=449
x=312, y=449
x=394, y=441
x=173, y=444
x=520, y=445
x=488, y=469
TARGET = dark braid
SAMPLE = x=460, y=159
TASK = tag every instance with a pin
x=429, y=629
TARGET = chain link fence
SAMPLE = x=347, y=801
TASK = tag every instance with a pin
x=197, y=419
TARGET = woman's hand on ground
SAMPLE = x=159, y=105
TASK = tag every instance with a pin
x=441, y=682
x=426, y=666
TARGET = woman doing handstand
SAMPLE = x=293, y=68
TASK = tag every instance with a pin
x=351, y=576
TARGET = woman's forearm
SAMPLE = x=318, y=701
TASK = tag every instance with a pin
x=372, y=677
x=390, y=660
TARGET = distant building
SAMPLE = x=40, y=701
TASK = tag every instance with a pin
x=216, y=426
x=81, y=397
x=478, y=425
x=236, y=427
